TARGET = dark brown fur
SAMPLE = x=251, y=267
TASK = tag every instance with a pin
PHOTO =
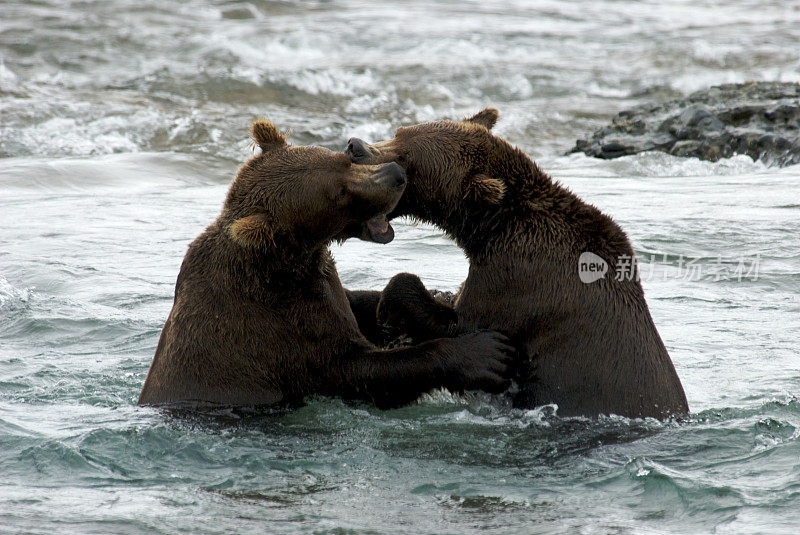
x=593, y=348
x=260, y=316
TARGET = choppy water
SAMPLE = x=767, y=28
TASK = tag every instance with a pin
x=122, y=124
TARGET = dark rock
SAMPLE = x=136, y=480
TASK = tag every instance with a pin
x=760, y=119
x=614, y=150
x=239, y=13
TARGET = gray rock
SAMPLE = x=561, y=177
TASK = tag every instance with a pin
x=760, y=119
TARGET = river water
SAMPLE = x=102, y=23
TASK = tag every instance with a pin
x=122, y=124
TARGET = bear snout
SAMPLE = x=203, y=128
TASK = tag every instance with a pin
x=357, y=150
x=392, y=175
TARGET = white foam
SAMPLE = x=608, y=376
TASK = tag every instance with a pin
x=10, y=294
x=80, y=137
x=651, y=164
x=329, y=81
x=373, y=131
x=9, y=81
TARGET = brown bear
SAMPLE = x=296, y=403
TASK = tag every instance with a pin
x=260, y=316
x=592, y=346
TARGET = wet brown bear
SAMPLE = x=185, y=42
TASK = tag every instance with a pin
x=260, y=316
x=593, y=347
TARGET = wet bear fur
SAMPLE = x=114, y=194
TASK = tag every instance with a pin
x=260, y=317
x=592, y=348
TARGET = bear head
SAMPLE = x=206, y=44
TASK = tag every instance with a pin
x=447, y=162
x=291, y=196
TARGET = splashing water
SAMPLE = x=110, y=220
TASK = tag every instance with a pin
x=121, y=125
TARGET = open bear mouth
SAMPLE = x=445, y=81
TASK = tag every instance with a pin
x=379, y=230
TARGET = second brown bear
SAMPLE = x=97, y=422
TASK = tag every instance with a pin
x=591, y=341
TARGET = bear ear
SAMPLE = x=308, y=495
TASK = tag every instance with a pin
x=485, y=118
x=483, y=188
x=252, y=231
x=266, y=135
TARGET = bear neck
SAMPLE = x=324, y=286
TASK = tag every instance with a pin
x=286, y=263
x=485, y=231
x=298, y=268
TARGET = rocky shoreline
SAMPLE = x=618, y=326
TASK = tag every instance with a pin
x=759, y=119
